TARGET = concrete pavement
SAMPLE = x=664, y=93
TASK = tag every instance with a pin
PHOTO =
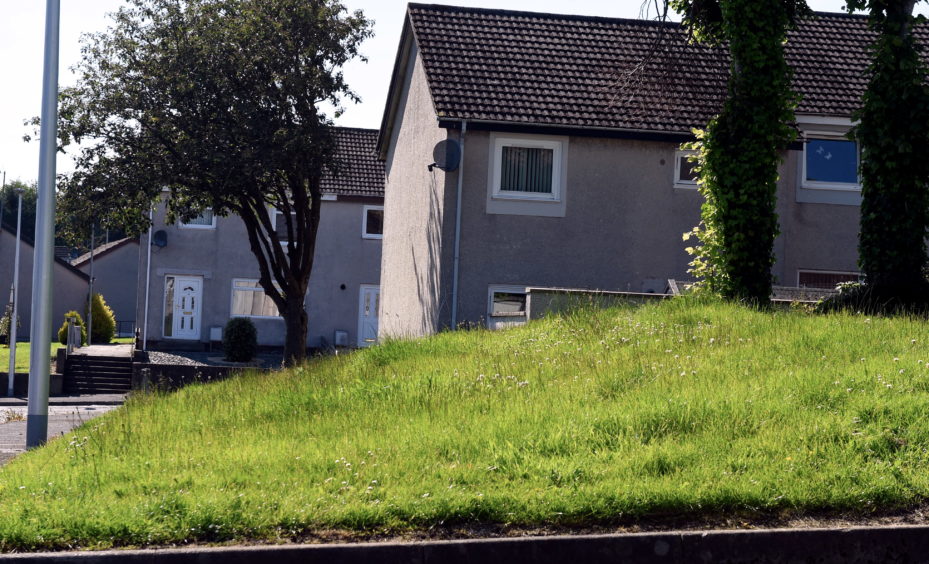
x=62, y=418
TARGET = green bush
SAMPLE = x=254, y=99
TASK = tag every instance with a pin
x=63, y=332
x=104, y=322
x=6, y=323
x=240, y=340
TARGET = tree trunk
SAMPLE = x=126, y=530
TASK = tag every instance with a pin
x=295, y=320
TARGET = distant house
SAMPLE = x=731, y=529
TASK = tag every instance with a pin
x=115, y=272
x=202, y=273
x=69, y=285
x=571, y=173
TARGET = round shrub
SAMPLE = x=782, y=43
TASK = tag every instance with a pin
x=240, y=340
x=63, y=332
x=104, y=322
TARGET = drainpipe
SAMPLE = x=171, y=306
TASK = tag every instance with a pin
x=461, y=142
x=148, y=280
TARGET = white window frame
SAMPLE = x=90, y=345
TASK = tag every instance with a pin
x=503, y=320
x=506, y=289
x=232, y=291
x=212, y=224
x=528, y=143
x=364, y=223
x=678, y=183
x=810, y=135
x=274, y=213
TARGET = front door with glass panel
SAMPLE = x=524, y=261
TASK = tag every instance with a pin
x=183, y=297
x=367, y=315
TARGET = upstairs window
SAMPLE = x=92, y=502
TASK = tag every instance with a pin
x=280, y=224
x=372, y=226
x=830, y=163
x=527, y=169
x=684, y=175
x=206, y=220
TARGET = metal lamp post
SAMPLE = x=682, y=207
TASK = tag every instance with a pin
x=14, y=295
x=41, y=330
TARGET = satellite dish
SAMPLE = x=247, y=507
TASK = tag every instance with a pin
x=447, y=155
x=160, y=238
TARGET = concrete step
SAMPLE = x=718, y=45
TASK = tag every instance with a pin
x=97, y=370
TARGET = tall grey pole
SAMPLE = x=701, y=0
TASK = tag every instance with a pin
x=14, y=295
x=41, y=330
x=148, y=279
x=90, y=299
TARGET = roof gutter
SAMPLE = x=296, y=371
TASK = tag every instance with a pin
x=592, y=131
x=461, y=143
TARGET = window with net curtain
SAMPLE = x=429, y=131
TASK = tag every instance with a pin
x=527, y=168
x=205, y=220
x=250, y=300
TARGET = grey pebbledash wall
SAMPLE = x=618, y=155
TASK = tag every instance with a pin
x=418, y=220
x=621, y=231
x=69, y=286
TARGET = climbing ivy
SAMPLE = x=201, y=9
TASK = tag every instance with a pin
x=739, y=152
x=893, y=132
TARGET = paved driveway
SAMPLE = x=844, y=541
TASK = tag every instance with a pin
x=61, y=419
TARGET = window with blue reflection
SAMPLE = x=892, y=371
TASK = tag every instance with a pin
x=832, y=161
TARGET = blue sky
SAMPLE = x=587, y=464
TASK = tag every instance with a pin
x=21, y=44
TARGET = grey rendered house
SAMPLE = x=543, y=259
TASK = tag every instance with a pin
x=571, y=173
x=202, y=273
x=115, y=271
x=69, y=285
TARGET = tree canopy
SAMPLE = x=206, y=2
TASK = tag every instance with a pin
x=216, y=103
x=741, y=148
x=9, y=203
x=893, y=132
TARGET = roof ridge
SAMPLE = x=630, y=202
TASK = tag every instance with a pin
x=528, y=13
x=346, y=128
x=580, y=17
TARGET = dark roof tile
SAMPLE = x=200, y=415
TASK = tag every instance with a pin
x=360, y=173
x=576, y=71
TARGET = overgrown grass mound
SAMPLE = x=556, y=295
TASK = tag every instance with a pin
x=599, y=417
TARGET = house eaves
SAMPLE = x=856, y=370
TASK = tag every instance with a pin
x=28, y=240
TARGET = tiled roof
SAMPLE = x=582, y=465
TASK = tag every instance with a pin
x=360, y=173
x=104, y=249
x=577, y=71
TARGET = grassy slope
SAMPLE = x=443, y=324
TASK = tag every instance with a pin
x=679, y=408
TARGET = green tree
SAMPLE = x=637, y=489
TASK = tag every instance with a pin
x=9, y=202
x=741, y=148
x=893, y=132
x=103, y=327
x=217, y=101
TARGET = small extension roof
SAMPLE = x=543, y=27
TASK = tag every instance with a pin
x=360, y=172
x=580, y=72
x=103, y=250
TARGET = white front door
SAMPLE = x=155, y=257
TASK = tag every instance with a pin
x=187, y=297
x=368, y=308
